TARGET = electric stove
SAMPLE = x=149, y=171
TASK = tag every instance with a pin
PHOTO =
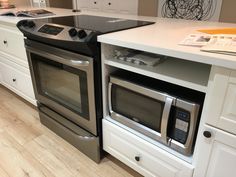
x=65, y=66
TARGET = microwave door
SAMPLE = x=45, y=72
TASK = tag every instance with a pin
x=123, y=97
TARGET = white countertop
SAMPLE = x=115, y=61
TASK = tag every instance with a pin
x=163, y=38
x=9, y=20
x=160, y=38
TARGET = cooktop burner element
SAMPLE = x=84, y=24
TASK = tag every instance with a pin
x=70, y=32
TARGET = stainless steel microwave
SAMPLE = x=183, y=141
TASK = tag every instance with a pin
x=159, y=115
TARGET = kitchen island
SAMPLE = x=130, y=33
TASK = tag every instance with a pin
x=213, y=74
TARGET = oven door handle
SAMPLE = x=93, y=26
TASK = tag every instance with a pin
x=165, y=119
x=79, y=63
x=66, y=60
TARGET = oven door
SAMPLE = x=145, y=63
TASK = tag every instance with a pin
x=64, y=82
x=144, y=110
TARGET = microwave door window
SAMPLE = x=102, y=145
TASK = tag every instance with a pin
x=62, y=84
x=137, y=107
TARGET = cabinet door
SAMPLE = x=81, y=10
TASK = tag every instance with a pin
x=221, y=110
x=129, y=7
x=18, y=82
x=83, y=4
x=2, y=39
x=12, y=43
x=8, y=75
x=94, y=5
x=217, y=154
x=111, y=6
x=122, y=6
x=227, y=119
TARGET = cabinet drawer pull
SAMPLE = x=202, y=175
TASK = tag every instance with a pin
x=5, y=42
x=14, y=80
x=137, y=158
x=95, y=2
x=109, y=3
x=207, y=134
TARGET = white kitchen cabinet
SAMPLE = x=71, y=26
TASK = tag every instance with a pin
x=113, y=6
x=222, y=103
x=144, y=157
x=17, y=81
x=14, y=67
x=218, y=154
x=12, y=43
x=124, y=7
x=90, y=5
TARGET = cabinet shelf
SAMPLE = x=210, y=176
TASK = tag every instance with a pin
x=180, y=72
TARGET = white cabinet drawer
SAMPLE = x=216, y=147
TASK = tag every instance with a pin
x=8, y=76
x=152, y=161
x=124, y=7
x=90, y=4
x=17, y=81
x=222, y=102
x=12, y=43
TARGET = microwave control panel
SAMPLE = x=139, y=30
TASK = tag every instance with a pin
x=181, y=128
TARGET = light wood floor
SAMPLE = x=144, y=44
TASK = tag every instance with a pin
x=28, y=149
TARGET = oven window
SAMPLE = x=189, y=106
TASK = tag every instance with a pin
x=62, y=84
x=137, y=107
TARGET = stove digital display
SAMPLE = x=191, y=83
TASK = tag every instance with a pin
x=50, y=29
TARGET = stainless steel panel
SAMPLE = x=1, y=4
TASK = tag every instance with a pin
x=139, y=89
x=78, y=137
x=136, y=126
x=77, y=61
x=186, y=148
x=144, y=91
x=193, y=108
x=165, y=119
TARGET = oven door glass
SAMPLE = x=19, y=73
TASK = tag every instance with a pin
x=61, y=83
x=137, y=107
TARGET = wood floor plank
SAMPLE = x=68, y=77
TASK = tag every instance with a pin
x=6, y=119
x=70, y=160
x=22, y=133
x=51, y=162
x=13, y=162
x=105, y=168
x=36, y=164
x=3, y=173
x=29, y=149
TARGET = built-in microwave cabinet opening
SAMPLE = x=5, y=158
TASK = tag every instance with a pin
x=188, y=74
x=165, y=112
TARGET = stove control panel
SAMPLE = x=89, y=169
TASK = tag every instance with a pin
x=55, y=31
x=49, y=29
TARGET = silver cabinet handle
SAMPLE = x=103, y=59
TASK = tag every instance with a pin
x=165, y=119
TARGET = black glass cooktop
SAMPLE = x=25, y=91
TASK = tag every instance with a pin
x=97, y=23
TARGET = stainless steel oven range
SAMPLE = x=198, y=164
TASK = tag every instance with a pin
x=64, y=59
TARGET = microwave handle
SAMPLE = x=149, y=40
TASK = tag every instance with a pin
x=165, y=119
